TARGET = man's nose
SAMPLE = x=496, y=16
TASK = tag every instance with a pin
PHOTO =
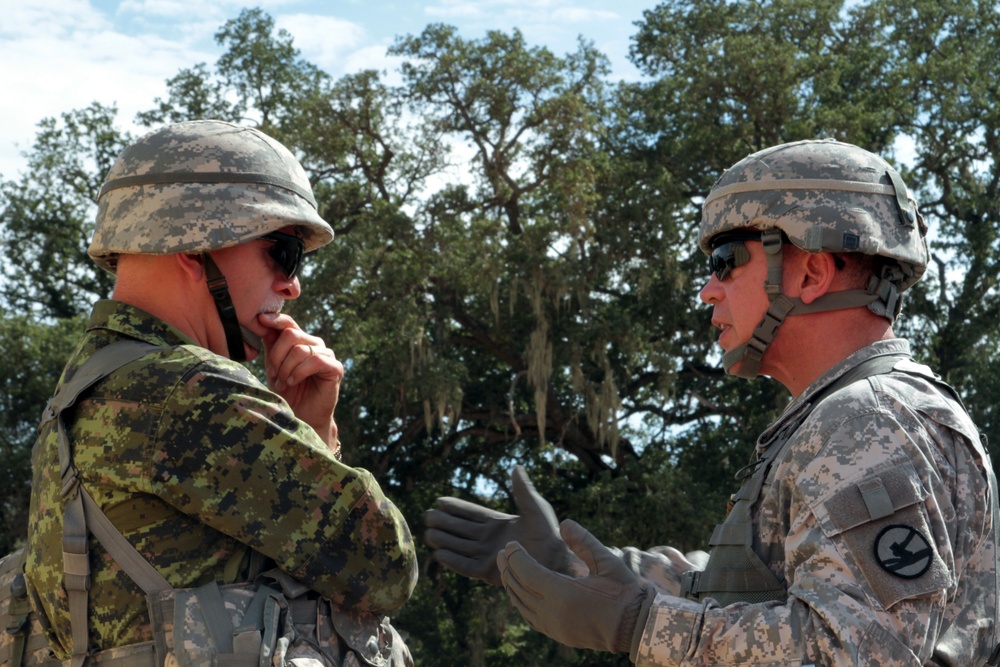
x=712, y=292
x=288, y=288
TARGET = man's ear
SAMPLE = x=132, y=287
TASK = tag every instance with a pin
x=815, y=274
x=191, y=265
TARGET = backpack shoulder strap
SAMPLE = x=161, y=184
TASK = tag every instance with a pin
x=14, y=609
x=79, y=505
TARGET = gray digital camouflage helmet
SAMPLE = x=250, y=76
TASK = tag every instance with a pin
x=821, y=196
x=199, y=186
x=202, y=185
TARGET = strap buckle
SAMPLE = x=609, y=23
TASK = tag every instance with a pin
x=689, y=584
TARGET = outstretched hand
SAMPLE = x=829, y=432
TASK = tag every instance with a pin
x=605, y=611
x=304, y=371
x=465, y=536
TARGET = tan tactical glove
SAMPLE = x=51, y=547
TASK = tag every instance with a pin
x=466, y=537
x=605, y=611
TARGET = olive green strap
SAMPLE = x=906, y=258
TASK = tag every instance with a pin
x=752, y=352
x=18, y=608
x=76, y=557
x=121, y=550
x=735, y=572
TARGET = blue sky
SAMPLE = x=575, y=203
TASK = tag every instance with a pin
x=58, y=55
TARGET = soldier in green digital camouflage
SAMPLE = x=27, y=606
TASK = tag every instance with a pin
x=865, y=530
x=196, y=462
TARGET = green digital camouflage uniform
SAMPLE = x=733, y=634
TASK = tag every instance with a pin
x=822, y=536
x=197, y=462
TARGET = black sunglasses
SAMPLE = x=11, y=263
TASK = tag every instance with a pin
x=287, y=251
x=729, y=252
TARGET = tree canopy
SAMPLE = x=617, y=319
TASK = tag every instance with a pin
x=514, y=276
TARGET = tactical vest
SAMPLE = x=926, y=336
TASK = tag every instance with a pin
x=270, y=620
x=736, y=572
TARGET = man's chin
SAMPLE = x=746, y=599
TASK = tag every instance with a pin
x=735, y=368
x=723, y=340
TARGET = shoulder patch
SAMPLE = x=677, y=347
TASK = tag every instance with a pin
x=879, y=523
x=903, y=551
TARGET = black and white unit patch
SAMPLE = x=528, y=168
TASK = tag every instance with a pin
x=903, y=551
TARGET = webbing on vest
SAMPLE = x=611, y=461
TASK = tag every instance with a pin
x=18, y=608
x=735, y=572
x=264, y=631
x=80, y=506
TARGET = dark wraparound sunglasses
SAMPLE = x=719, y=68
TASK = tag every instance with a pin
x=287, y=251
x=729, y=251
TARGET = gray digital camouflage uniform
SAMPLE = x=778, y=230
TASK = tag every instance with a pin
x=197, y=462
x=914, y=586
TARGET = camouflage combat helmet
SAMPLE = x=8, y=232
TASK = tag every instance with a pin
x=821, y=196
x=199, y=186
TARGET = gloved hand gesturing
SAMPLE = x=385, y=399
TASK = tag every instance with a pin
x=466, y=537
x=605, y=611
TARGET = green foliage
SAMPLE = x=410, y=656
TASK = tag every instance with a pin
x=47, y=216
x=33, y=356
x=261, y=70
x=514, y=278
x=953, y=314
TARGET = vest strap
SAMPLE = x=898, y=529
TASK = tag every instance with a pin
x=76, y=556
x=736, y=571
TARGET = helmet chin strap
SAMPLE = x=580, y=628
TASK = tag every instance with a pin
x=252, y=339
x=227, y=311
x=882, y=298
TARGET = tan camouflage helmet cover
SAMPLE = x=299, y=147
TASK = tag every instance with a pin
x=826, y=196
x=198, y=186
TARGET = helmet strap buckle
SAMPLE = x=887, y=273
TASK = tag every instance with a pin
x=772, y=240
x=752, y=353
x=885, y=287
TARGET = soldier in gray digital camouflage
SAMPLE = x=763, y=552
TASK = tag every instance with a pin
x=213, y=477
x=865, y=529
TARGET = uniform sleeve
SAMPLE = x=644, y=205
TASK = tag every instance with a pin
x=232, y=454
x=876, y=521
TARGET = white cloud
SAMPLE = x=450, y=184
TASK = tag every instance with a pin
x=49, y=17
x=324, y=41
x=160, y=8
x=375, y=57
x=61, y=56
x=182, y=9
